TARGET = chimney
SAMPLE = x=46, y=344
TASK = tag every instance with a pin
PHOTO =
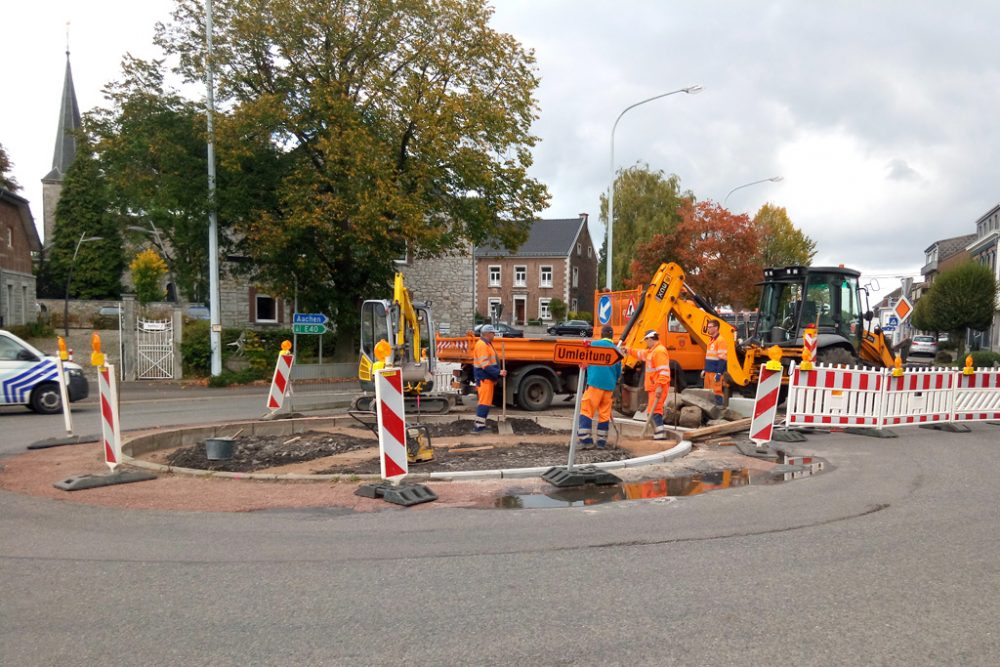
x=585, y=216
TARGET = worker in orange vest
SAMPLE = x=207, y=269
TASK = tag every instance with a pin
x=716, y=358
x=486, y=371
x=657, y=379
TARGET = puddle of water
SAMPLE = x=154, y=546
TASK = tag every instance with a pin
x=690, y=485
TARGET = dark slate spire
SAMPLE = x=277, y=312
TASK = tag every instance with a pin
x=69, y=122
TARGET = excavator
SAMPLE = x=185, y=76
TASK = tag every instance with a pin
x=792, y=299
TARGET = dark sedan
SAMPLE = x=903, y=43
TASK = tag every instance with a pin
x=503, y=331
x=572, y=328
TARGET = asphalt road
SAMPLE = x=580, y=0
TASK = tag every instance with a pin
x=888, y=558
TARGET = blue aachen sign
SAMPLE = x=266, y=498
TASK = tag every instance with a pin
x=309, y=318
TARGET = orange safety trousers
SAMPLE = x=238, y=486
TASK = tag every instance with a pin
x=485, y=392
x=596, y=400
x=653, y=405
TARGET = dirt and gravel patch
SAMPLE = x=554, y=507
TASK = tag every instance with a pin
x=352, y=451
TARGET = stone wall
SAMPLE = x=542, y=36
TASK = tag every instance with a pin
x=447, y=283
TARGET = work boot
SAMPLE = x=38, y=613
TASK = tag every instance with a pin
x=602, y=444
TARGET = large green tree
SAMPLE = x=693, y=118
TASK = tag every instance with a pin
x=781, y=243
x=398, y=123
x=83, y=212
x=961, y=298
x=6, y=180
x=647, y=203
x=152, y=149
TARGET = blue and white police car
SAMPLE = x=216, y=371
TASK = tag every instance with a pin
x=30, y=378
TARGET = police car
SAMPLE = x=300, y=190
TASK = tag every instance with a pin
x=29, y=377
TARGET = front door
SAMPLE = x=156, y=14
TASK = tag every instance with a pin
x=520, y=310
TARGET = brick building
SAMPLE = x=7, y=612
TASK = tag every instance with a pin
x=18, y=240
x=557, y=261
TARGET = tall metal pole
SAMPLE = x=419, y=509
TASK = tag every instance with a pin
x=691, y=90
x=215, y=337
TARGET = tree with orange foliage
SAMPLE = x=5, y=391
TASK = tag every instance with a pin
x=719, y=251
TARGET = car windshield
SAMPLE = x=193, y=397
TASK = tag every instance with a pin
x=923, y=339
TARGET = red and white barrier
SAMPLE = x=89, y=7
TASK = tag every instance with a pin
x=391, y=423
x=765, y=405
x=281, y=382
x=834, y=396
x=918, y=397
x=840, y=396
x=977, y=396
x=111, y=436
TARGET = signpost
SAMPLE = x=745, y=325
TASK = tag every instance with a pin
x=309, y=323
x=604, y=309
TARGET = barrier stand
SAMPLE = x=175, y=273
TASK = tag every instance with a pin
x=111, y=440
x=393, y=463
x=281, y=382
x=62, y=357
x=977, y=395
x=765, y=406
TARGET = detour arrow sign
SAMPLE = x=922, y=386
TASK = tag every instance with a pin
x=585, y=354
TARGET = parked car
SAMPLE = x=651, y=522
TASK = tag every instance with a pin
x=503, y=330
x=31, y=378
x=572, y=328
x=923, y=346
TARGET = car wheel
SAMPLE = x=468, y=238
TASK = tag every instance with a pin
x=45, y=399
x=535, y=393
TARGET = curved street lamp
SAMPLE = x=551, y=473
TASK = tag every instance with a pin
x=69, y=276
x=691, y=90
x=773, y=179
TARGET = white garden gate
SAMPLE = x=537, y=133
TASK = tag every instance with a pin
x=155, y=347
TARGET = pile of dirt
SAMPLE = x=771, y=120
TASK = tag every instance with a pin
x=463, y=427
x=252, y=453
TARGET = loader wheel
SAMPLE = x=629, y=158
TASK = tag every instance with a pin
x=836, y=356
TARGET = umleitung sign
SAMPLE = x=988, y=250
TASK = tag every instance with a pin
x=585, y=354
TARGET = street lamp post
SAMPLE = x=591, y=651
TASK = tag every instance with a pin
x=773, y=179
x=691, y=90
x=69, y=277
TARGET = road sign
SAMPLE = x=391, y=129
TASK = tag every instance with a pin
x=309, y=318
x=902, y=309
x=309, y=328
x=630, y=308
x=604, y=309
x=585, y=354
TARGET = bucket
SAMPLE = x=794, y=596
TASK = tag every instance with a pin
x=219, y=449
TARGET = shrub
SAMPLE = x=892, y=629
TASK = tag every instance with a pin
x=33, y=330
x=943, y=357
x=227, y=378
x=984, y=359
x=196, y=347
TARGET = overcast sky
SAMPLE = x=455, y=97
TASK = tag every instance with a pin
x=882, y=117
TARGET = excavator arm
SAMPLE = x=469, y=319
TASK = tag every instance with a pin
x=668, y=293
x=405, y=321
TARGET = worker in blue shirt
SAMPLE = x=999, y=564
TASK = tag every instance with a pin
x=601, y=383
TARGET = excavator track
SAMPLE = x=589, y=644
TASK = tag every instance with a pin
x=428, y=405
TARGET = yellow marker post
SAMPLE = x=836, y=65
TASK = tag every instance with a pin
x=62, y=357
x=96, y=356
x=286, y=347
x=968, y=370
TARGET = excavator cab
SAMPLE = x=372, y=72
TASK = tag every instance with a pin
x=794, y=298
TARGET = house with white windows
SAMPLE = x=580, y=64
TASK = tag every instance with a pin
x=558, y=261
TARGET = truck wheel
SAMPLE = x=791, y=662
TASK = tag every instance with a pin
x=535, y=393
x=45, y=399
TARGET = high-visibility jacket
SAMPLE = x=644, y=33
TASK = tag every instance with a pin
x=716, y=356
x=484, y=361
x=657, y=362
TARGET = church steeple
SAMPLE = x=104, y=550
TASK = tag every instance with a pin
x=65, y=150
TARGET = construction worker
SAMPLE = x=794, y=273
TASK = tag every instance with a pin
x=601, y=382
x=716, y=356
x=486, y=372
x=657, y=379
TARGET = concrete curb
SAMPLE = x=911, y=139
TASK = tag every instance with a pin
x=680, y=449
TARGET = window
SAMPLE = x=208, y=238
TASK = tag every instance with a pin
x=266, y=309
x=494, y=307
x=10, y=237
x=579, y=250
x=576, y=278
x=590, y=251
x=545, y=276
x=404, y=255
x=543, y=309
x=520, y=276
x=574, y=305
x=494, y=275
